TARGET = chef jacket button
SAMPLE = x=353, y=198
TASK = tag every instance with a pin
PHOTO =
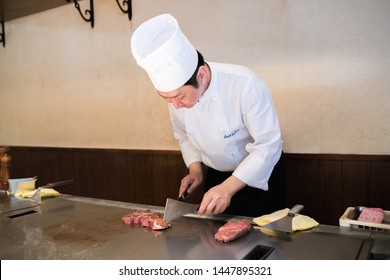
x=214, y=98
x=222, y=130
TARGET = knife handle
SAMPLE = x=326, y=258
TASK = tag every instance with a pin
x=183, y=196
x=59, y=184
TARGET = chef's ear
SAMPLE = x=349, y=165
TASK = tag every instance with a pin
x=202, y=72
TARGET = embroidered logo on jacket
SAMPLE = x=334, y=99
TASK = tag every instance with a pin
x=231, y=134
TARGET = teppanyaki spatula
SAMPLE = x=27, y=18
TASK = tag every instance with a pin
x=285, y=224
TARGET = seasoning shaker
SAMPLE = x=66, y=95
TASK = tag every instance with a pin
x=5, y=161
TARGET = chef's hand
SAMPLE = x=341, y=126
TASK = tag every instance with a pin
x=193, y=180
x=218, y=198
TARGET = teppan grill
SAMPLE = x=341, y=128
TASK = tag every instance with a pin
x=71, y=227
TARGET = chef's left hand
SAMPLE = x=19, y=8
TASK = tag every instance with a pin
x=217, y=199
x=192, y=180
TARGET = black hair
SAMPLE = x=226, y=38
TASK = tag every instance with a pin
x=192, y=81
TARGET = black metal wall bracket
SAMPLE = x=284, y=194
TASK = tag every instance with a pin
x=89, y=12
x=129, y=10
x=2, y=34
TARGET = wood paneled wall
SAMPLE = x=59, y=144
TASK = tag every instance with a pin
x=325, y=184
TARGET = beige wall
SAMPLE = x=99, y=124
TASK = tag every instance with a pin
x=327, y=64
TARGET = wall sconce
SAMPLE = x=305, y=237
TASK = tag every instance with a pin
x=89, y=12
x=128, y=11
x=2, y=34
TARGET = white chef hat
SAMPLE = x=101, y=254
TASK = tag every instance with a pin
x=160, y=47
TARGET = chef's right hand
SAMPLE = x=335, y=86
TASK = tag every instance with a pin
x=193, y=180
x=218, y=198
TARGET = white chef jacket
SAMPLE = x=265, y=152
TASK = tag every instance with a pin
x=233, y=127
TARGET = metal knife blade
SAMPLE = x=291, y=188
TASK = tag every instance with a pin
x=175, y=209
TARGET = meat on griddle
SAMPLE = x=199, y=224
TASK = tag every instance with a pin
x=146, y=218
x=232, y=230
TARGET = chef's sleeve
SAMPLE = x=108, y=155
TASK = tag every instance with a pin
x=260, y=118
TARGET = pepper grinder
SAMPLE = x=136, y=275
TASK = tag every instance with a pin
x=5, y=161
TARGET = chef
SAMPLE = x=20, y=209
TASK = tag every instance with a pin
x=223, y=119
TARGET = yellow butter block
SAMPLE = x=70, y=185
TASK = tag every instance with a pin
x=20, y=185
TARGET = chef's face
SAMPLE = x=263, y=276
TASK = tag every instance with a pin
x=188, y=95
x=183, y=97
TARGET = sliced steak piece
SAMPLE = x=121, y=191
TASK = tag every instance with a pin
x=146, y=218
x=232, y=230
x=158, y=224
x=140, y=215
x=129, y=218
x=133, y=217
x=372, y=215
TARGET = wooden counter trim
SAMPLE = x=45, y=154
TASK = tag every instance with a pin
x=343, y=157
x=326, y=184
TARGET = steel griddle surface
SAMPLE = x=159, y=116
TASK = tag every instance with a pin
x=69, y=227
